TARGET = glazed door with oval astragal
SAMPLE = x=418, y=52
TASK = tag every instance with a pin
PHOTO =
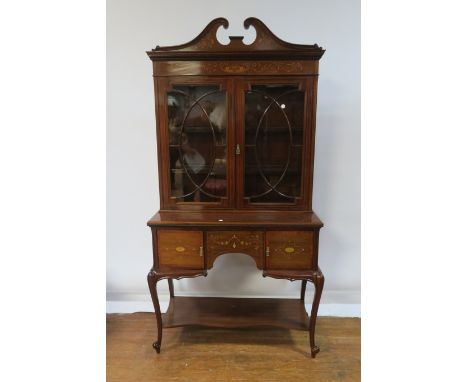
x=273, y=129
x=196, y=134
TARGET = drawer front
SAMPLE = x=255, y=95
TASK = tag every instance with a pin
x=180, y=249
x=248, y=242
x=289, y=249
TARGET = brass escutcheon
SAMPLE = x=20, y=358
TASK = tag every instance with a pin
x=289, y=250
x=180, y=249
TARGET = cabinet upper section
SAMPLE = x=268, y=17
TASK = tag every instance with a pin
x=236, y=122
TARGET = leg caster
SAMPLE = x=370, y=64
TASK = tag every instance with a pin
x=157, y=347
x=314, y=351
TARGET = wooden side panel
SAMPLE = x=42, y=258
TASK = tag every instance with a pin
x=247, y=242
x=180, y=249
x=290, y=250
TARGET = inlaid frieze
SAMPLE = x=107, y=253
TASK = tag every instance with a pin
x=247, y=242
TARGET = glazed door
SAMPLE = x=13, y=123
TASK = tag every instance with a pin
x=196, y=142
x=274, y=140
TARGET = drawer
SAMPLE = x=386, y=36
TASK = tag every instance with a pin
x=180, y=249
x=289, y=249
x=247, y=242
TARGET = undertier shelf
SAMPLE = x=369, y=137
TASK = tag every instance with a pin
x=236, y=312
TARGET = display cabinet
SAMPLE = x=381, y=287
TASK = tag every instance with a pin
x=235, y=144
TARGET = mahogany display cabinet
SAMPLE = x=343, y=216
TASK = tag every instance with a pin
x=235, y=145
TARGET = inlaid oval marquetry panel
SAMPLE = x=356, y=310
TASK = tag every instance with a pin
x=290, y=249
x=247, y=242
x=180, y=249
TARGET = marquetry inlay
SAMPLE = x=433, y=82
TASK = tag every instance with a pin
x=166, y=68
x=234, y=241
x=255, y=67
x=290, y=248
x=246, y=242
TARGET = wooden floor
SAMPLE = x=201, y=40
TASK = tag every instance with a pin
x=205, y=354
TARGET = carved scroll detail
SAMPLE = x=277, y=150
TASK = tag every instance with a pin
x=265, y=43
x=175, y=275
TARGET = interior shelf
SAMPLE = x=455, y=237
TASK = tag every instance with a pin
x=236, y=312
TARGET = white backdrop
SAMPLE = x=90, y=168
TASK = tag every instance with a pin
x=132, y=184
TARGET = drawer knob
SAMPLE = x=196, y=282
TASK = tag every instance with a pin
x=268, y=251
x=289, y=250
x=180, y=249
x=201, y=251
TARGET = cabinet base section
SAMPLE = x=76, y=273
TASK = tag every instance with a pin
x=236, y=312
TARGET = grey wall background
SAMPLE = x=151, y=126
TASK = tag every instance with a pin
x=132, y=184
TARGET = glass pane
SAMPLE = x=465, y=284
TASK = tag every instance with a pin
x=197, y=131
x=274, y=127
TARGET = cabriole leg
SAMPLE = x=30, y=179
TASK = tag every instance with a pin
x=152, y=281
x=318, y=281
